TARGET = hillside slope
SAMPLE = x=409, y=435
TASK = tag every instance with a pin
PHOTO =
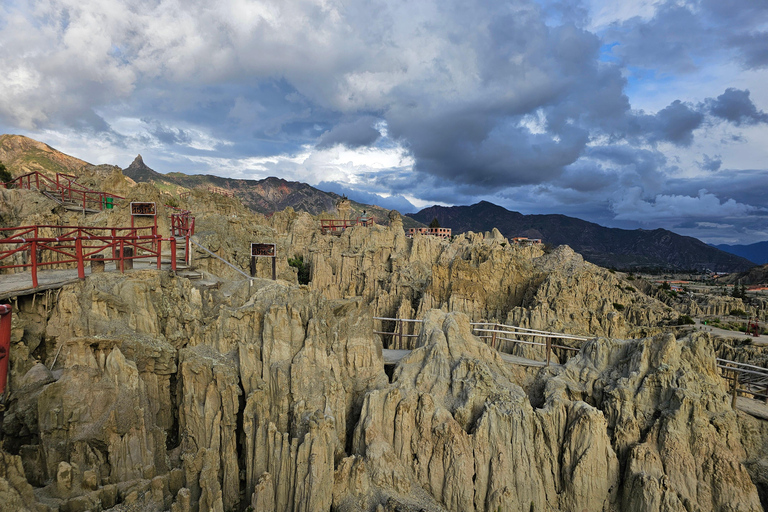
x=607, y=247
x=22, y=155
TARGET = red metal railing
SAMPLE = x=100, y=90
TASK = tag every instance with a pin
x=67, y=186
x=78, y=245
x=5, y=343
x=338, y=225
x=183, y=225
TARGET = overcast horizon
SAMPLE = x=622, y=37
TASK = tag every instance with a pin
x=639, y=114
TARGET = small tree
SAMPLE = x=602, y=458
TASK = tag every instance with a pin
x=5, y=175
x=435, y=223
x=302, y=267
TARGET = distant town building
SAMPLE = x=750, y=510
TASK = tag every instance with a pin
x=522, y=240
x=441, y=232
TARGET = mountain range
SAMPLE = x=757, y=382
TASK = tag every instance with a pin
x=756, y=253
x=622, y=249
x=265, y=196
x=657, y=249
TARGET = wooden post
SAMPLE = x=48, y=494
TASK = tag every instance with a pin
x=735, y=388
x=253, y=266
x=33, y=255
x=274, y=267
x=493, y=336
x=400, y=333
x=159, y=254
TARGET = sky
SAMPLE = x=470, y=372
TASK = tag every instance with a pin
x=634, y=114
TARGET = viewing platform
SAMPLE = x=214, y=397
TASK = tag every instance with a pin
x=338, y=226
x=440, y=232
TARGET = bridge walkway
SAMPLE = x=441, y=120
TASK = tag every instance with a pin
x=392, y=357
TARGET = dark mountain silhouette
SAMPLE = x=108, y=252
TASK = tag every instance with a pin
x=622, y=249
x=756, y=253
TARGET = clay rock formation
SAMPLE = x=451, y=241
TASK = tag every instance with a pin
x=164, y=394
x=483, y=276
x=455, y=431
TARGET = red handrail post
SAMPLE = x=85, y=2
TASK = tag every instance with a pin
x=159, y=254
x=173, y=254
x=113, y=243
x=5, y=344
x=79, y=256
x=33, y=256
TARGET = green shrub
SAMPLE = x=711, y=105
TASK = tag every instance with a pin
x=685, y=320
x=303, y=268
x=738, y=312
x=618, y=307
x=172, y=202
x=5, y=175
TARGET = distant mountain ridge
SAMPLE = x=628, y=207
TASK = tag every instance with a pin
x=264, y=196
x=608, y=247
x=757, y=253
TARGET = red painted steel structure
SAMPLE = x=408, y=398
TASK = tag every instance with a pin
x=67, y=186
x=5, y=344
x=339, y=225
x=80, y=244
x=182, y=225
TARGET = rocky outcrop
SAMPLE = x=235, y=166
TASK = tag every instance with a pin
x=146, y=391
x=456, y=426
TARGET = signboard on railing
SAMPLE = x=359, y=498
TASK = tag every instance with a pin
x=143, y=209
x=263, y=250
x=266, y=250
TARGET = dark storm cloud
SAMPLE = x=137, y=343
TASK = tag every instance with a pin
x=753, y=48
x=674, y=124
x=354, y=134
x=167, y=135
x=670, y=41
x=711, y=164
x=735, y=106
x=745, y=186
x=682, y=37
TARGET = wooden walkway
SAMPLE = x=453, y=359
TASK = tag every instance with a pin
x=20, y=283
x=395, y=356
